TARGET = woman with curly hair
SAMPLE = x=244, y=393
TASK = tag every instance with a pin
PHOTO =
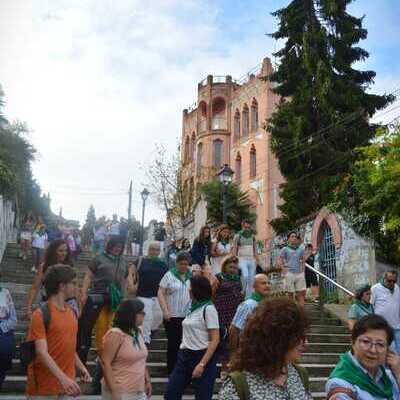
x=57, y=253
x=264, y=366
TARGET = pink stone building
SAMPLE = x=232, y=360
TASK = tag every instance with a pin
x=227, y=126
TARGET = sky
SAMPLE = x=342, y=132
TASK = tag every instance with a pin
x=101, y=82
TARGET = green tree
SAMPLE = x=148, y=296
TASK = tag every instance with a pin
x=324, y=111
x=16, y=179
x=238, y=204
x=369, y=197
x=87, y=229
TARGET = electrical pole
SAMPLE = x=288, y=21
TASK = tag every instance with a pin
x=130, y=204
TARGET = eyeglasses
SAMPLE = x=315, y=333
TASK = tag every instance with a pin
x=367, y=344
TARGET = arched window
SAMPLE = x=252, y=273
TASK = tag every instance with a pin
x=245, y=121
x=218, y=120
x=253, y=162
x=199, y=158
x=186, y=153
x=217, y=153
x=236, y=125
x=238, y=168
x=193, y=146
x=254, y=115
x=202, y=117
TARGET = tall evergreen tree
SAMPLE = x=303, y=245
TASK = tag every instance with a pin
x=324, y=111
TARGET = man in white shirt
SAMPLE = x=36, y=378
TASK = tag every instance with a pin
x=385, y=297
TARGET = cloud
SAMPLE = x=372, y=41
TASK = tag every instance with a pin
x=101, y=81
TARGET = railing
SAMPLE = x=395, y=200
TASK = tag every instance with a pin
x=322, y=275
x=219, y=123
x=7, y=228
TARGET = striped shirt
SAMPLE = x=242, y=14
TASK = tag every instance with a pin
x=177, y=295
x=244, y=310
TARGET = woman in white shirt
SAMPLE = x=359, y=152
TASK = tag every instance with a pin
x=174, y=299
x=197, y=361
x=220, y=248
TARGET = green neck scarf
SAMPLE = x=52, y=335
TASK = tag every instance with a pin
x=257, y=297
x=154, y=258
x=183, y=278
x=224, y=241
x=230, y=277
x=246, y=234
x=294, y=247
x=347, y=370
x=115, y=295
x=198, y=304
x=382, y=282
x=367, y=307
x=111, y=257
x=135, y=337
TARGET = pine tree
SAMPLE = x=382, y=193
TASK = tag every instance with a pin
x=238, y=204
x=324, y=110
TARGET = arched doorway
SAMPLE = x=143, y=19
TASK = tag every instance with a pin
x=327, y=260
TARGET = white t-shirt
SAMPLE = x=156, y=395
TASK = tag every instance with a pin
x=39, y=241
x=177, y=294
x=195, y=328
x=387, y=304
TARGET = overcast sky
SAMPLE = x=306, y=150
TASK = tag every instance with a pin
x=99, y=82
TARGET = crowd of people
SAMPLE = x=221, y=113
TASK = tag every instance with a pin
x=213, y=299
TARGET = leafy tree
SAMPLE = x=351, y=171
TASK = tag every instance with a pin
x=16, y=156
x=369, y=197
x=324, y=111
x=87, y=229
x=238, y=204
x=165, y=183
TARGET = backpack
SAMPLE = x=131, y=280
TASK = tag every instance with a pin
x=242, y=388
x=27, y=351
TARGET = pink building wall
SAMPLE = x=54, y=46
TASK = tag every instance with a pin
x=213, y=118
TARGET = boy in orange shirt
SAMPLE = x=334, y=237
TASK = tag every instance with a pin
x=51, y=375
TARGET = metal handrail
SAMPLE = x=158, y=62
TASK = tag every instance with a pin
x=330, y=280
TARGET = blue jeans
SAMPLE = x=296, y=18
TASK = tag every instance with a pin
x=248, y=269
x=182, y=376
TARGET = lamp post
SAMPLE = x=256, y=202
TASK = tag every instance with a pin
x=145, y=194
x=225, y=176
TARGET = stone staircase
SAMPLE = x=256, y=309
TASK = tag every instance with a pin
x=327, y=339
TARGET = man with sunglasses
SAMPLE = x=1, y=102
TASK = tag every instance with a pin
x=385, y=298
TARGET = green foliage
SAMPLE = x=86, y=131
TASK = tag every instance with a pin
x=324, y=112
x=16, y=156
x=369, y=197
x=87, y=229
x=238, y=204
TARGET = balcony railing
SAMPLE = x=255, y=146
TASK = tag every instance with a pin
x=219, y=123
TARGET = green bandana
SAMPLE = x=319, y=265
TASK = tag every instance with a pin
x=366, y=307
x=347, y=370
x=198, y=304
x=116, y=296
x=135, y=336
x=230, y=277
x=246, y=234
x=294, y=247
x=111, y=257
x=257, y=297
x=224, y=242
x=154, y=258
x=187, y=275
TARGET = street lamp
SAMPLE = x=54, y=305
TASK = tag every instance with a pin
x=145, y=194
x=225, y=176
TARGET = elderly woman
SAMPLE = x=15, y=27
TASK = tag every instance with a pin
x=148, y=274
x=369, y=371
x=361, y=306
x=270, y=345
x=227, y=297
x=174, y=298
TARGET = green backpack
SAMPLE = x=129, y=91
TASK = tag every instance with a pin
x=242, y=388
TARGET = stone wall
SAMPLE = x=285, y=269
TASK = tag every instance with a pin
x=8, y=232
